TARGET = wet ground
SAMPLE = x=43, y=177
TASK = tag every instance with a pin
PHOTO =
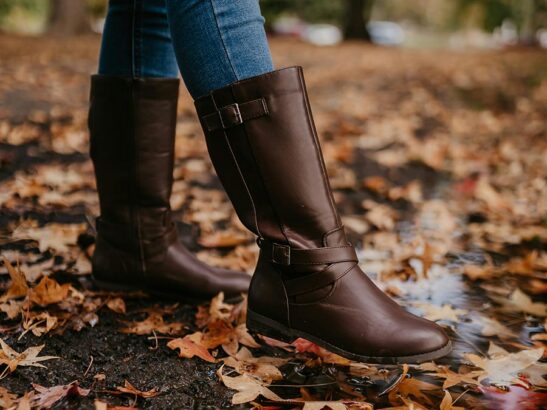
x=452, y=159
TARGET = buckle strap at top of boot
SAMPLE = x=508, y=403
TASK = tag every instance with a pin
x=235, y=114
x=285, y=255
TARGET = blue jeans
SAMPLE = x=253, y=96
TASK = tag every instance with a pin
x=212, y=42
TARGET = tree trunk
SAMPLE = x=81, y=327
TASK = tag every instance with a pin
x=68, y=17
x=357, y=16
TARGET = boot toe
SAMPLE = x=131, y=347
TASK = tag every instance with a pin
x=233, y=282
x=427, y=339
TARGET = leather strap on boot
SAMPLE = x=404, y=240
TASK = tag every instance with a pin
x=285, y=255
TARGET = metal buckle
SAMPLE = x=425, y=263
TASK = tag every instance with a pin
x=230, y=116
x=281, y=254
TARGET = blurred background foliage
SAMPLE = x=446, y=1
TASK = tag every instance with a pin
x=526, y=18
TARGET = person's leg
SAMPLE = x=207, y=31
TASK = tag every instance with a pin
x=218, y=42
x=136, y=40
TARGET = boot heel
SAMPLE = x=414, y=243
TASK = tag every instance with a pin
x=269, y=328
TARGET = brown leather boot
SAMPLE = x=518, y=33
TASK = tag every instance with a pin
x=132, y=127
x=262, y=140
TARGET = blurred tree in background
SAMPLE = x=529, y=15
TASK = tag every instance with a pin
x=67, y=17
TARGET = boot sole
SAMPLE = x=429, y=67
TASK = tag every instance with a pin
x=175, y=296
x=275, y=330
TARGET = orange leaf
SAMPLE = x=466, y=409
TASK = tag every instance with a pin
x=190, y=346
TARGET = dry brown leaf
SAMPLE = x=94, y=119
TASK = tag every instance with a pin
x=130, y=389
x=12, y=308
x=18, y=287
x=190, y=346
x=7, y=399
x=444, y=312
x=53, y=236
x=447, y=403
x=411, y=387
x=49, y=291
x=116, y=305
x=153, y=323
x=248, y=388
x=520, y=302
x=502, y=368
x=451, y=378
x=12, y=359
x=46, y=397
x=491, y=327
x=40, y=324
x=224, y=239
x=263, y=367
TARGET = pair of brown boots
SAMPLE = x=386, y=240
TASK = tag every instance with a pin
x=263, y=144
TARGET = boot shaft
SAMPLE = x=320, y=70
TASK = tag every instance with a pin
x=262, y=140
x=132, y=136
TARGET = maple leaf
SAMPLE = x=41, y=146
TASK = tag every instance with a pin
x=503, y=368
x=414, y=388
x=130, y=389
x=12, y=359
x=451, y=378
x=521, y=302
x=48, y=396
x=49, y=291
x=248, y=388
x=18, y=287
x=153, y=323
x=190, y=346
x=444, y=312
x=264, y=367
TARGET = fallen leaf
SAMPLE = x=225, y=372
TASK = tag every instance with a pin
x=53, y=236
x=491, y=327
x=263, y=367
x=116, y=305
x=153, y=323
x=48, y=291
x=521, y=302
x=223, y=239
x=411, y=387
x=7, y=399
x=18, y=287
x=190, y=346
x=130, y=389
x=248, y=388
x=444, y=312
x=451, y=378
x=46, y=397
x=502, y=368
x=11, y=308
x=447, y=403
x=12, y=359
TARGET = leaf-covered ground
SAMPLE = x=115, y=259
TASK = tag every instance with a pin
x=439, y=164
